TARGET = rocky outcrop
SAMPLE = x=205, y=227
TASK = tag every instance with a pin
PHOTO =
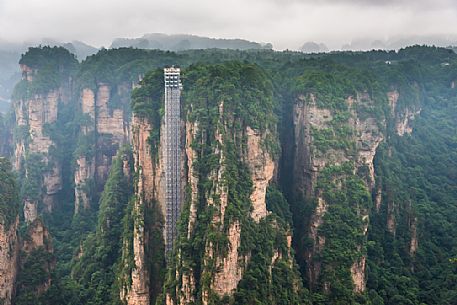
x=224, y=269
x=36, y=110
x=368, y=135
x=37, y=236
x=403, y=117
x=310, y=159
x=37, y=245
x=404, y=122
x=391, y=223
x=84, y=172
x=150, y=189
x=27, y=72
x=85, y=164
x=307, y=116
x=192, y=179
x=358, y=274
x=262, y=168
x=138, y=292
x=110, y=121
x=229, y=269
x=112, y=130
x=30, y=210
x=33, y=116
x=314, y=269
x=9, y=253
x=106, y=128
x=231, y=265
x=414, y=243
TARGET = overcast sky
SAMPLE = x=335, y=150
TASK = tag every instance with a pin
x=285, y=23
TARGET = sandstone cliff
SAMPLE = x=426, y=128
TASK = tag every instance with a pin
x=34, y=116
x=327, y=141
x=9, y=253
x=106, y=128
x=36, y=249
x=9, y=239
x=225, y=261
x=148, y=204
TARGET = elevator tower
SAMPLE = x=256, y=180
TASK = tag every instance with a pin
x=172, y=154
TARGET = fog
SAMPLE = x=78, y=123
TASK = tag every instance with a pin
x=287, y=24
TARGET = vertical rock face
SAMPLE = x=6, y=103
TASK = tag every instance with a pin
x=366, y=132
x=85, y=164
x=5, y=137
x=404, y=121
x=85, y=171
x=108, y=127
x=225, y=270
x=38, y=237
x=308, y=117
x=112, y=131
x=230, y=269
x=414, y=243
x=38, y=99
x=9, y=225
x=310, y=160
x=149, y=189
x=230, y=164
x=358, y=274
x=403, y=117
x=308, y=164
x=30, y=211
x=36, y=247
x=9, y=250
x=33, y=116
x=192, y=179
x=262, y=168
x=138, y=292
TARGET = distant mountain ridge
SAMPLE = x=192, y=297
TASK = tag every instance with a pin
x=313, y=47
x=180, y=42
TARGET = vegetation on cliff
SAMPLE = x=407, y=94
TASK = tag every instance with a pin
x=416, y=175
x=50, y=66
x=9, y=197
x=95, y=269
x=223, y=100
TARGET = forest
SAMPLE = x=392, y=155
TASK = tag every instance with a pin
x=361, y=207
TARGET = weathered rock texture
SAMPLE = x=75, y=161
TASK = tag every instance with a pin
x=37, y=240
x=9, y=252
x=30, y=211
x=223, y=269
x=262, y=168
x=107, y=128
x=32, y=118
x=149, y=198
x=37, y=236
x=403, y=117
x=367, y=133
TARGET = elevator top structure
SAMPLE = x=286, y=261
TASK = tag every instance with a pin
x=172, y=154
x=172, y=77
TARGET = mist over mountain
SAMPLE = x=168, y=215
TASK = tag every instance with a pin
x=398, y=42
x=313, y=47
x=10, y=54
x=180, y=42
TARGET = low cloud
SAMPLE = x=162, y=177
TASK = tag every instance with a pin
x=285, y=23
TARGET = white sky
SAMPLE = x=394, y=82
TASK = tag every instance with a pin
x=285, y=23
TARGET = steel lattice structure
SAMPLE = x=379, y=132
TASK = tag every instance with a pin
x=172, y=153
